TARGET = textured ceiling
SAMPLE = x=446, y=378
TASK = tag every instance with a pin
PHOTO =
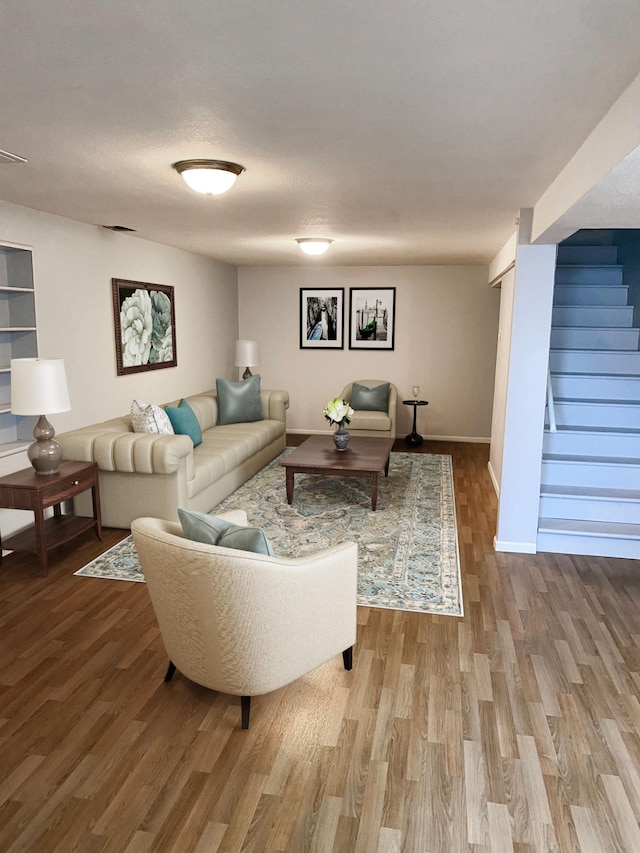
x=409, y=132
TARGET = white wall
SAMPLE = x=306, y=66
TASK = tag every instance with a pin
x=501, y=378
x=73, y=267
x=518, y=508
x=446, y=326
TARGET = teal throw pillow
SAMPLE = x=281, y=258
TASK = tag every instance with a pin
x=211, y=530
x=184, y=421
x=246, y=539
x=239, y=402
x=202, y=527
x=370, y=399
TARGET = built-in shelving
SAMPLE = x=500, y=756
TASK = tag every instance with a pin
x=18, y=339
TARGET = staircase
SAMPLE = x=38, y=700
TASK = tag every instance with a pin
x=590, y=493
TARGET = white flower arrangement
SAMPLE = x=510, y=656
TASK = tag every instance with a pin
x=338, y=411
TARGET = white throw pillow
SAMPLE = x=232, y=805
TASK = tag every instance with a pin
x=151, y=419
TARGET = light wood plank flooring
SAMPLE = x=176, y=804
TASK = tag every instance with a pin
x=515, y=728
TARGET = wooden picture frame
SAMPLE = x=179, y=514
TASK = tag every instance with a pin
x=145, y=326
x=322, y=318
x=372, y=318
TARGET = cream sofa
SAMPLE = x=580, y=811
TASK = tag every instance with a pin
x=153, y=475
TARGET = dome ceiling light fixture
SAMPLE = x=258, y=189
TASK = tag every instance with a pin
x=209, y=177
x=314, y=245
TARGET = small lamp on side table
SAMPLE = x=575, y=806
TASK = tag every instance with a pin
x=39, y=387
x=247, y=355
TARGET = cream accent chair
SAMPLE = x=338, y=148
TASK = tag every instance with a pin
x=376, y=424
x=244, y=623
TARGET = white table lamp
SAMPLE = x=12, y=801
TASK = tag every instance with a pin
x=247, y=355
x=39, y=385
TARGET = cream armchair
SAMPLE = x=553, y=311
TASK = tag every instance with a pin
x=376, y=424
x=243, y=623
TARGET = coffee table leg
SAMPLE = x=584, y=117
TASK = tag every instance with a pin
x=289, y=482
x=374, y=490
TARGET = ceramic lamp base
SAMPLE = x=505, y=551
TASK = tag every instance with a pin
x=45, y=454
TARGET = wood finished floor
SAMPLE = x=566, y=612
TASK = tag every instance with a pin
x=515, y=728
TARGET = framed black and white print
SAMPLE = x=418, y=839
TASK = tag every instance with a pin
x=322, y=318
x=372, y=318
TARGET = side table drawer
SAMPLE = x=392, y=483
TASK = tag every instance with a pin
x=68, y=487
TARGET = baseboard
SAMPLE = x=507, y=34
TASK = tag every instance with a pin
x=496, y=484
x=464, y=438
x=514, y=547
x=470, y=439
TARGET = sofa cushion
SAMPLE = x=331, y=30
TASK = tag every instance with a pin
x=150, y=419
x=184, y=422
x=370, y=399
x=212, y=530
x=239, y=402
x=377, y=421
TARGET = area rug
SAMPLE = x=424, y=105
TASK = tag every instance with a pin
x=407, y=549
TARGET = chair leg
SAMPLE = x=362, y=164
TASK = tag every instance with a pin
x=347, y=657
x=170, y=671
x=245, y=704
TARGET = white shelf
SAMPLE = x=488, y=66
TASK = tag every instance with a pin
x=18, y=338
x=9, y=448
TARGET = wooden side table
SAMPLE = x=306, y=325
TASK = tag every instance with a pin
x=28, y=490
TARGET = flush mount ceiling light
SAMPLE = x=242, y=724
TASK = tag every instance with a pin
x=314, y=245
x=209, y=177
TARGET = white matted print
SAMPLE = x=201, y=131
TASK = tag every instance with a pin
x=322, y=318
x=372, y=318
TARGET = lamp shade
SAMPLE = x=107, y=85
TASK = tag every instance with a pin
x=247, y=354
x=39, y=386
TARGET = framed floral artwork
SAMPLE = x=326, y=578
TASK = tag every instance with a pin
x=321, y=318
x=145, y=326
x=372, y=318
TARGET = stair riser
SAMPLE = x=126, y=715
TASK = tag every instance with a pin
x=568, y=361
x=587, y=255
x=575, y=294
x=597, y=546
x=602, y=475
x=588, y=275
x=619, y=316
x=590, y=509
x=596, y=387
x=599, y=339
x=597, y=415
x=587, y=444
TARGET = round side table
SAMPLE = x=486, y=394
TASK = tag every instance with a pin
x=413, y=439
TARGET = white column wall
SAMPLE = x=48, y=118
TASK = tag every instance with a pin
x=518, y=506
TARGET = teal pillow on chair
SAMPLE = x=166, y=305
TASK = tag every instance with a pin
x=239, y=402
x=370, y=399
x=184, y=421
x=211, y=530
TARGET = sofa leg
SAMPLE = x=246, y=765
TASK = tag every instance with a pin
x=347, y=657
x=245, y=704
x=170, y=671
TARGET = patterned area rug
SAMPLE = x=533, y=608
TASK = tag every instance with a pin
x=407, y=549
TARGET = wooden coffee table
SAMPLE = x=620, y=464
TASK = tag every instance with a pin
x=364, y=457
